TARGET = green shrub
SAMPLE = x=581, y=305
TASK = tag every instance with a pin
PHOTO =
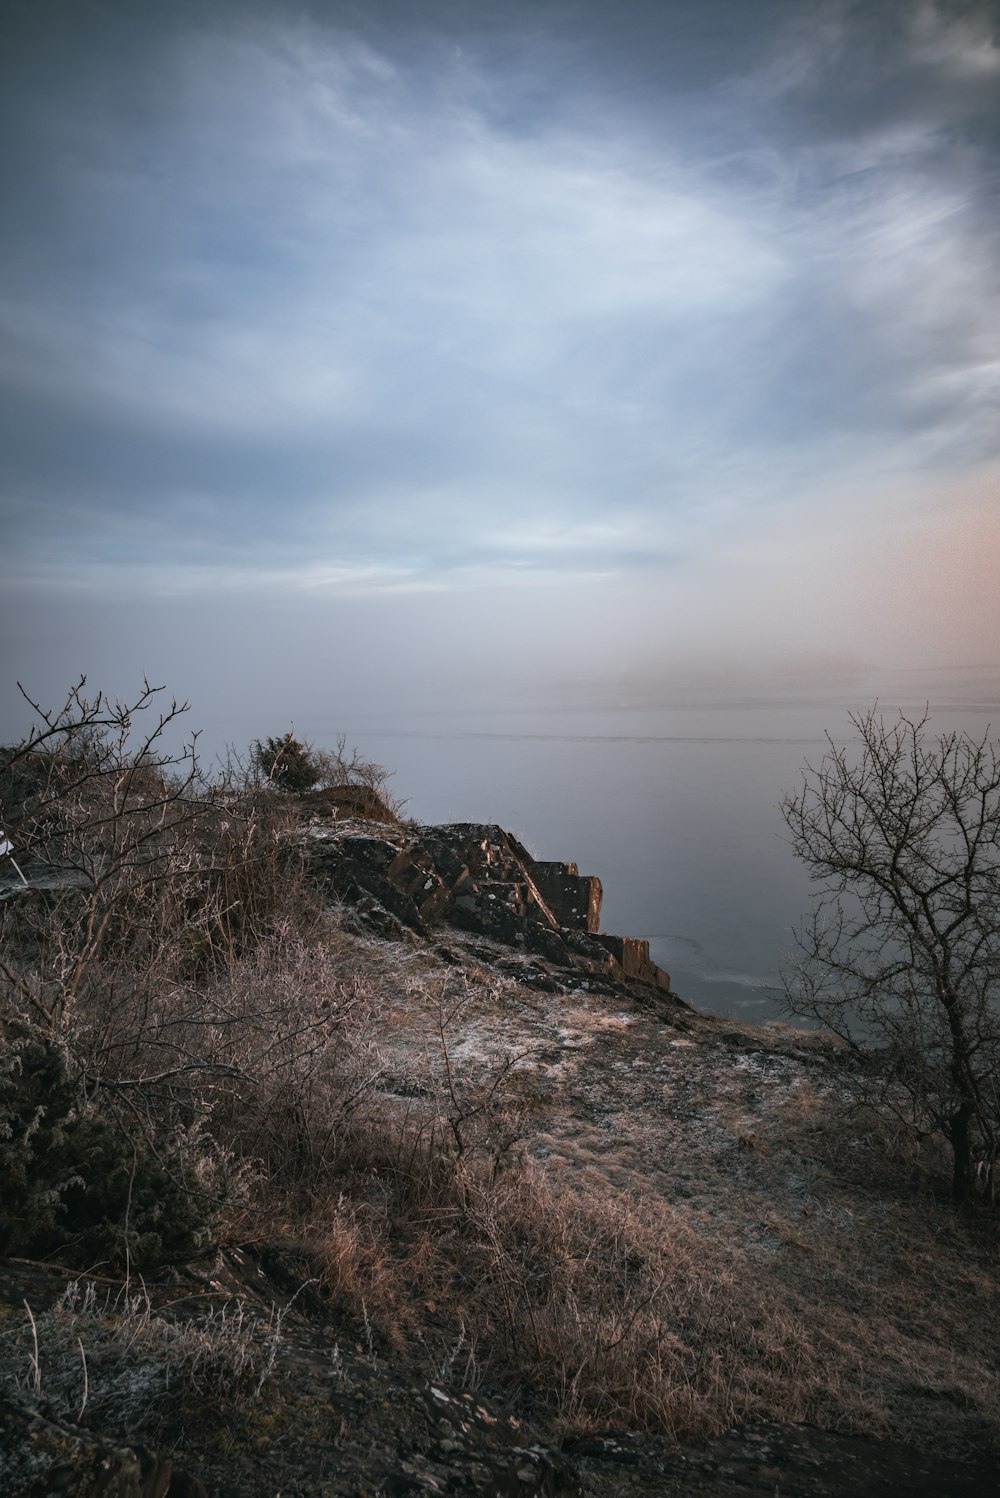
x=77, y=1183
x=286, y=763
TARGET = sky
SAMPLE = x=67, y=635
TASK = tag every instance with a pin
x=442, y=352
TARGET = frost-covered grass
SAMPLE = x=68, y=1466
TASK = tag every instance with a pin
x=636, y=1226
x=111, y=1358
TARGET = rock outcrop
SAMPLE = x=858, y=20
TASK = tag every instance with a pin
x=482, y=880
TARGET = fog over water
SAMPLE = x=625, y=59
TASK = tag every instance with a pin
x=668, y=789
x=675, y=809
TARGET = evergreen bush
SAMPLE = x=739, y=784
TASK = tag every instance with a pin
x=286, y=763
x=75, y=1181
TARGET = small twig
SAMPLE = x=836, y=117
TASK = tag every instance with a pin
x=36, y=1366
x=610, y=1346
x=369, y=1339
x=86, y=1381
x=128, y=1211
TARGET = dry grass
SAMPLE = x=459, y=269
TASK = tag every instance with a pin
x=603, y=1311
x=602, y=1226
x=115, y=1358
x=604, y=1220
x=796, y=1282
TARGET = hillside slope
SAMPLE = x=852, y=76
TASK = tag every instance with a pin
x=569, y=1237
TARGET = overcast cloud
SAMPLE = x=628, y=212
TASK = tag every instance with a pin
x=675, y=319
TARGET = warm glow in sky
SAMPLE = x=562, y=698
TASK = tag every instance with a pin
x=384, y=343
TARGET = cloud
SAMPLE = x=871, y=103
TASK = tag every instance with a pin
x=961, y=47
x=316, y=309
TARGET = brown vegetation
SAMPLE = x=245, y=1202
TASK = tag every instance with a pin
x=600, y=1217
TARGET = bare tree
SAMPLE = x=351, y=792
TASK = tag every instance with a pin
x=902, y=947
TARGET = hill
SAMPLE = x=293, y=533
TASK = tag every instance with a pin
x=348, y=1156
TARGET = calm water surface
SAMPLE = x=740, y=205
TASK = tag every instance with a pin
x=676, y=810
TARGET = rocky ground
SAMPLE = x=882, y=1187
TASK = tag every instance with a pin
x=344, y=1421
x=860, y=1312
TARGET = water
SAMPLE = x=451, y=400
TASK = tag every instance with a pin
x=675, y=809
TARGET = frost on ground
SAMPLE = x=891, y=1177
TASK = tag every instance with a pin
x=740, y=1136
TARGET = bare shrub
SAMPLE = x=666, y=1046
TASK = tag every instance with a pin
x=300, y=1035
x=340, y=767
x=250, y=1074
x=172, y=951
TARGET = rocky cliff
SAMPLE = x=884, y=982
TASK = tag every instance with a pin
x=405, y=882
